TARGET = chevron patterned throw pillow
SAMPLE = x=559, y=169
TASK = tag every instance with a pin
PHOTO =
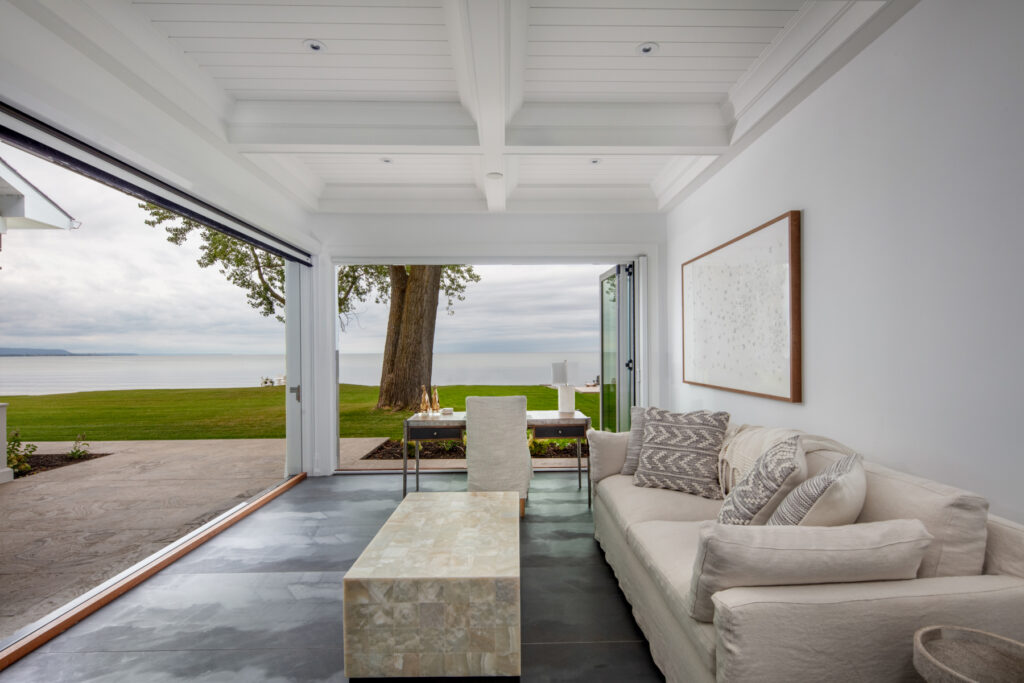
x=753, y=500
x=680, y=451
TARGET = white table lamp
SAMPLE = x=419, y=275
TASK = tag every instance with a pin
x=566, y=392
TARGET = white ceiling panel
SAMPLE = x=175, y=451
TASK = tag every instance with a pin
x=558, y=169
x=377, y=51
x=589, y=50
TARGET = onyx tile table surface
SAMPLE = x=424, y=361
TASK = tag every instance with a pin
x=263, y=600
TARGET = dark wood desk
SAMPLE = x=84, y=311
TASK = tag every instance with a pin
x=546, y=424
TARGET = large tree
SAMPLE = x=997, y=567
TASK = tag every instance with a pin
x=413, y=292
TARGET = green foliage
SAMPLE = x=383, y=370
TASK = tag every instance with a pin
x=261, y=275
x=80, y=449
x=247, y=413
x=17, y=454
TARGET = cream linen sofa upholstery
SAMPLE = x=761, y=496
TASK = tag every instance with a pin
x=972, y=575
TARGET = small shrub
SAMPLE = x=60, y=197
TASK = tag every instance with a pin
x=537, y=447
x=17, y=454
x=80, y=449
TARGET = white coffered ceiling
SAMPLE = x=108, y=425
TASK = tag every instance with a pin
x=474, y=105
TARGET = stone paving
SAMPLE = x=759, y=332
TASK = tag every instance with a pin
x=65, y=531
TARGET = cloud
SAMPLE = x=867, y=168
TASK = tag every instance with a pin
x=116, y=284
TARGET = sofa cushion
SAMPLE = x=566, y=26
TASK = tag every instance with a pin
x=729, y=556
x=667, y=551
x=955, y=517
x=607, y=453
x=833, y=497
x=680, y=451
x=777, y=472
x=630, y=504
x=636, y=439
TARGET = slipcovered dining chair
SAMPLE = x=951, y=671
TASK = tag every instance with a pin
x=497, y=450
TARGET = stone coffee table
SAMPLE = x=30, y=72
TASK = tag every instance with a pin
x=436, y=592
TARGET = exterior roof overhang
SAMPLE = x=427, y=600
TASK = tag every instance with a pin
x=23, y=206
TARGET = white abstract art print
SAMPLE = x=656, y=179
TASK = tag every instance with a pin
x=741, y=313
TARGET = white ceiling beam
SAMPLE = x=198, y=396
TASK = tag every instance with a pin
x=292, y=174
x=129, y=48
x=319, y=123
x=565, y=124
x=477, y=31
x=816, y=31
x=794, y=67
x=676, y=175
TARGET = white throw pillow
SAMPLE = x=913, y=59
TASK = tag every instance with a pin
x=833, y=497
x=607, y=453
x=730, y=555
x=636, y=439
x=777, y=472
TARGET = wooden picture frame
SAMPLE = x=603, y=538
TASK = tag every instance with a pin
x=741, y=313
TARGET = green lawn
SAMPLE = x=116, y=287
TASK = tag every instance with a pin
x=250, y=413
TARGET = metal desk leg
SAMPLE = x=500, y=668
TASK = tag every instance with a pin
x=405, y=458
x=417, y=465
x=579, y=465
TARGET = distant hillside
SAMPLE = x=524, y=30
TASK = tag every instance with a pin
x=14, y=351
x=33, y=352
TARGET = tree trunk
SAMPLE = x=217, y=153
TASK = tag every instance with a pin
x=409, y=346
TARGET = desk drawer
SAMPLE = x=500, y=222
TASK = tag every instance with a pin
x=426, y=433
x=559, y=431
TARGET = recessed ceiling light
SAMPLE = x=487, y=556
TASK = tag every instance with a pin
x=495, y=175
x=314, y=45
x=647, y=49
x=595, y=162
x=386, y=160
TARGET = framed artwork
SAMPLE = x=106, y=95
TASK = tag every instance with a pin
x=741, y=313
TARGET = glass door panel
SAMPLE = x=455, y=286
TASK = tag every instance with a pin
x=617, y=365
x=609, y=350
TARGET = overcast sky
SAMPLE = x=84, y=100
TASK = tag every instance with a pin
x=117, y=285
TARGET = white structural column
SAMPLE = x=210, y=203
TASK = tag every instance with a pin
x=6, y=473
x=478, y=32
x=320, y=374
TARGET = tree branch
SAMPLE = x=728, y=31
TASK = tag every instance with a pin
x=263, y=280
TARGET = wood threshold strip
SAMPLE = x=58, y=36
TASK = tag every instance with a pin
x=54, y=628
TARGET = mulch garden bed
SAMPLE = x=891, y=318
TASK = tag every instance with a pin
x=50, y=461
x=445, y=450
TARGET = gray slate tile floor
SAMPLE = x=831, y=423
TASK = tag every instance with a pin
x=262, y=601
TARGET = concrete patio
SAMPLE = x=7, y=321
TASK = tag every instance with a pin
x=67, y=530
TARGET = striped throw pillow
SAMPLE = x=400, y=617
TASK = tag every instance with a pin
x=753, y=500
x=833, y=497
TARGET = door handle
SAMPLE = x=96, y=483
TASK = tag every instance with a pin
x=297, y=390
x=629, y=364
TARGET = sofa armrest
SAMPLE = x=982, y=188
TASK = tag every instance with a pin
x=607, y=453
x=852, y=631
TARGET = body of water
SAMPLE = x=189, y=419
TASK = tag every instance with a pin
x=20, y=375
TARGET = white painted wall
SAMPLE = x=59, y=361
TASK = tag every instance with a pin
x=908, y=165
x=508, y=238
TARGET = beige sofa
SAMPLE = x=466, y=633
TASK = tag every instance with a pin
x=972, y=575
